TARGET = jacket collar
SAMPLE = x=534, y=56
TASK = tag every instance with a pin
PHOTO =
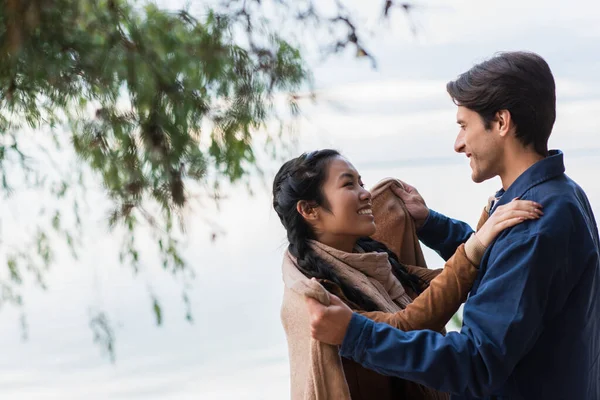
x=543, y=170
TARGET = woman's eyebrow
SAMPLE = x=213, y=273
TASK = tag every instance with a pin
x=346, y=175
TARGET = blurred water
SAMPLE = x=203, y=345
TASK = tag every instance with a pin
x=236, y=347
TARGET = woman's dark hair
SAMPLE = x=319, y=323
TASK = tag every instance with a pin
x=302, y=178
x=520, y=82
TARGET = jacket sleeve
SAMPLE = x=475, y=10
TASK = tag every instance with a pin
x=426, y=274
x=501, y=323
x=443, y=234
x=433, y=308
x=483, y=218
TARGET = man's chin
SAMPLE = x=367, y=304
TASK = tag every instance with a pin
x=477, y=178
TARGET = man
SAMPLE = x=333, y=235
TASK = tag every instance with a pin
x=531, y=326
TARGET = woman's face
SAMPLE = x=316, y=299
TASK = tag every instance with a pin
x=347, y=214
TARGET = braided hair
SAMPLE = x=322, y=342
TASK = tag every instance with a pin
x=301, y=179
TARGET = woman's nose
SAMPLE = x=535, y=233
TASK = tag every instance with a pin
x=365, y=195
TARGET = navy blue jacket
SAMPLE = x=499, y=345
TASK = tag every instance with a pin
x=531, y=325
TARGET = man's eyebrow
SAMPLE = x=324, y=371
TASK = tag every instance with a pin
x=460, y=121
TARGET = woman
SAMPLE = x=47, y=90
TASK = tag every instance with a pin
x=328, y=215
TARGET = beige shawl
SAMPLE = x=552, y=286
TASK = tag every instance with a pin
x=370, y=272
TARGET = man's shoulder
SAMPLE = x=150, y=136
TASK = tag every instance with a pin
x=560, y=189
x=562, y=199
x=561, y=214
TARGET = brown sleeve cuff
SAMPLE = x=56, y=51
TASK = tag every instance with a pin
x=474, y=249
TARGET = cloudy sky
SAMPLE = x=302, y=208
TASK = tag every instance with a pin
x=396, y=120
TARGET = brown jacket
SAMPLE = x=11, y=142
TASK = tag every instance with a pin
x=317, y=372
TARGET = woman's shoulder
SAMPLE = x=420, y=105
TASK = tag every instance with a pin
x=295, y=281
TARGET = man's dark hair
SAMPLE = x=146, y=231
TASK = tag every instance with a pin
x=520, y=82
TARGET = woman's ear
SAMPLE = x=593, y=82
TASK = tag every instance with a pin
x=309, y=212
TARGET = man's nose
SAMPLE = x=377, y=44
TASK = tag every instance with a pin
x=459, y=144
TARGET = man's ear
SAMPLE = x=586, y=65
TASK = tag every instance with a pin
x=308, y=211
x=504, y=122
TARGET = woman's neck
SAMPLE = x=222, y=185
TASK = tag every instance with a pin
x=343, y=243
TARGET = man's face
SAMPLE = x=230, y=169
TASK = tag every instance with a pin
x=483, y=147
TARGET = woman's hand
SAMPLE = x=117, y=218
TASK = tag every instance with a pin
x=506, y=216
x=415, y=204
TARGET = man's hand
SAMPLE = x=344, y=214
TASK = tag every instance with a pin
x=414, y=203
x=329, y=324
